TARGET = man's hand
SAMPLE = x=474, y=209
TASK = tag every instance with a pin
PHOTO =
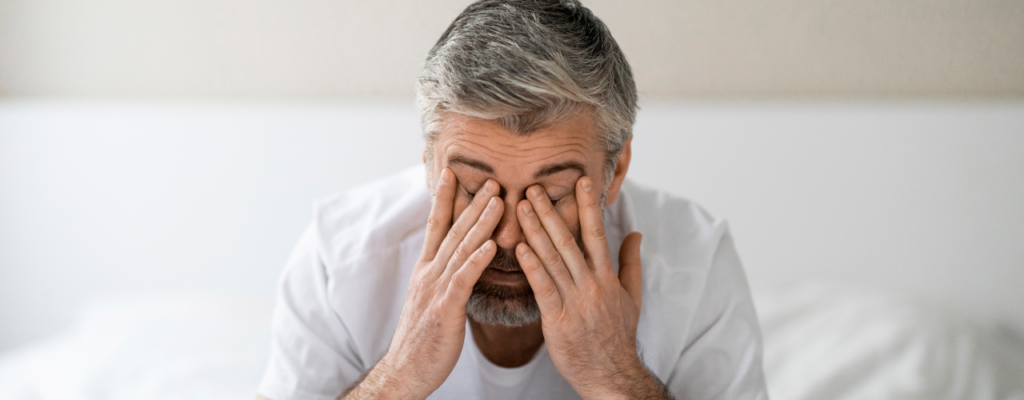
x=432, y=327
x=589, y=316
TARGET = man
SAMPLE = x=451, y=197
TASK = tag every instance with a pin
x=517, y=270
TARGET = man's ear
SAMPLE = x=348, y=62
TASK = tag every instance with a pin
x=621, y=166
x=426, y=176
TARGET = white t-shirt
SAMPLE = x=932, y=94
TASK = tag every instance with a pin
x=476, y=377
x=342, y=291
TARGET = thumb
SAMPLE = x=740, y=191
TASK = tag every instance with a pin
x=629, y=266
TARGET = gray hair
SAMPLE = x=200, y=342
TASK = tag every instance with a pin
x=528, y=64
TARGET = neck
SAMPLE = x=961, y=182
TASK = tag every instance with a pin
x=507, y=347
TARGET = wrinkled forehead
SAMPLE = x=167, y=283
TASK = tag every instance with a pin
x=486, y=146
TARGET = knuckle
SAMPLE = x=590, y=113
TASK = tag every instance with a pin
x=552, y=259
x=566, y=241
x=420, y=285
x=420, y=274
x=458, y=281
x=548, y=291
x=456, y=231
x=433, y=223
x=598, y=230
x=581, y=303
x=437, y=307
x=460, y=252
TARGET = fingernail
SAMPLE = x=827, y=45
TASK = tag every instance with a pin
x=487, y=245
x=444, y=175
x=527, y=210
x=489, y=185
x=492, y=203
x=522, y=251
x=586, y=184
x=535, y=192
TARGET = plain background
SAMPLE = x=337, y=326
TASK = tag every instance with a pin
x=328, y=48
x=152, y=148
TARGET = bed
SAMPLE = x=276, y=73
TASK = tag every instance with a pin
x=821, y=342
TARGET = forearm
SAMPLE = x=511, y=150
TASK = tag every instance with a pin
x=382, y=382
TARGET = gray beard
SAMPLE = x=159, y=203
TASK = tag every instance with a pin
x=502, y=305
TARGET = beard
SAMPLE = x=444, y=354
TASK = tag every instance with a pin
x=502, y=305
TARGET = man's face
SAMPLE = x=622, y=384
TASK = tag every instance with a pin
x=554, y=158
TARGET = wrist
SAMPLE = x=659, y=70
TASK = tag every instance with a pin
x=632, y=381
x=389, y=380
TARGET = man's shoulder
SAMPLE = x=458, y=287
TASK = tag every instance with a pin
x=374, y=217
x=671, y=224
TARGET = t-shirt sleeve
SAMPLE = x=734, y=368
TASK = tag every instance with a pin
x=723, y=355
x=311, y=354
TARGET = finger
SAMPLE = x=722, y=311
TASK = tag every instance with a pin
x=563, y=240
x=482, y=229
x=629, y=267
x=440, y=214
x=465, y=222
x=549, y=300
x=461, y=284
x=541, y=246
x=592, y=227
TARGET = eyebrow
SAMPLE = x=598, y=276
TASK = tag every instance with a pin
x=469, y=162
x=547, y=170
x=556, y=168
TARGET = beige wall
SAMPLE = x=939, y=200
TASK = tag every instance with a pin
x=332, y=48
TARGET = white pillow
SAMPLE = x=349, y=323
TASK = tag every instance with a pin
x=823, y=343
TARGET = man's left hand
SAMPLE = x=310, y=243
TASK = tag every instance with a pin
x=588, y=314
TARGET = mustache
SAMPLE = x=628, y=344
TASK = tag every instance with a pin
x=505, y=260
x=494, y=295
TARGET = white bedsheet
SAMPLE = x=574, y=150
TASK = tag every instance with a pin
x=820, y=343
x=195, y=348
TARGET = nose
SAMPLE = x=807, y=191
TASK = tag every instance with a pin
x=509, y=233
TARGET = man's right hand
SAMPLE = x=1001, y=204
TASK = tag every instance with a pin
x=432, y=328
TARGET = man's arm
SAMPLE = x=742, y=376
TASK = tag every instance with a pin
x=432, y=327
x=588, y=313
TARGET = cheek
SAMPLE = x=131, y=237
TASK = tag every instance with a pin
x=566, y=208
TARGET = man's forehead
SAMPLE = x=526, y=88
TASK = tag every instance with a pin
x=528, y=157
x=473, y=135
